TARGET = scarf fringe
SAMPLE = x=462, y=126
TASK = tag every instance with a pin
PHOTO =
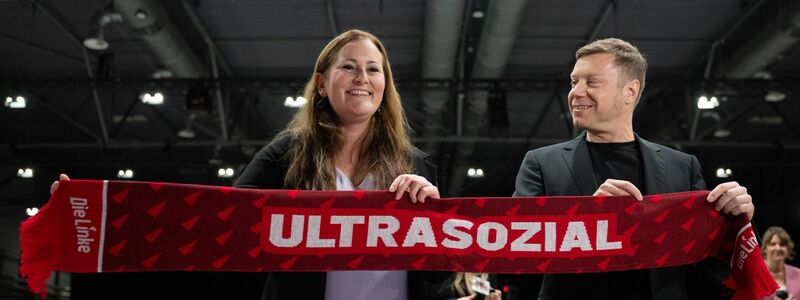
x=38, y=253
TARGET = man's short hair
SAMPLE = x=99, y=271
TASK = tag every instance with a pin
x=626, y=56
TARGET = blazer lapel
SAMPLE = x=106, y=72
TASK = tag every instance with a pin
x=654, y=167
x=576, y=156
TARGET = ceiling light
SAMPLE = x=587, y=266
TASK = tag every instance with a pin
x=155, y=98
x=704, y=102
x=765, y=120
x=31, y=211
x=25, y=172
x=186, y=133
x=225, y=172
x=95, y=43
x=724, y=173
x=722, y=133
x=295, y=102
x=475, y=173
x=478, y=14
x=140, y=14
x=127, y=173
x=775, y=96
x=162, y=73
x=15, y=102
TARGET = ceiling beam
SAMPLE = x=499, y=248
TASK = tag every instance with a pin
x=730, y=28
x=329, y=9
x=135, y=145
x=192, y=13
x=41, y=48
x=612, y=4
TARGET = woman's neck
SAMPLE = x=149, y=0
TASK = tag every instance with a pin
x=775, y=266
x=352, y=138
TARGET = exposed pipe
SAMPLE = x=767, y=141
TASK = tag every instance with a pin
x=96, y=97
x=150, y=20
x=443, y=22
x=97, y=28
x=497, y=40
x=766, y=45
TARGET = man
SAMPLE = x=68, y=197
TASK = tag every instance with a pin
x=609, y=159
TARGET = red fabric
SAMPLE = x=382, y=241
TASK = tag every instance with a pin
x=96, y=226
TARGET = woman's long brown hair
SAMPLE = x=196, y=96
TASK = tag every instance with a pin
x=386, y=150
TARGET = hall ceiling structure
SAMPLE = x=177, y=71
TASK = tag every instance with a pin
x=482, y=82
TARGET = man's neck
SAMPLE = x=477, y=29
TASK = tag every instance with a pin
x=619, y=136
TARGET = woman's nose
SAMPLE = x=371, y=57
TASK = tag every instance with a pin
x=361, y=76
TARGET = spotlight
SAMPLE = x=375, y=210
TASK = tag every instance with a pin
x=704, y=102
x=295, y=102
x=25, y=172
x=724, y=173
x=475, y=173
x=15, y=102
x=225, y=172
x=127, y=174
x=478, y=14
x=31, y=211
x=156, y=98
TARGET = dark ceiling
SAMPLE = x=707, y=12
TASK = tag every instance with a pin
x=84, y=117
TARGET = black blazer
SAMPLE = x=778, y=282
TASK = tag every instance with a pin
x=565, y=169
x=267, y=171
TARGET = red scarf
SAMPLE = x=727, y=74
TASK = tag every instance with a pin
x=109, y=226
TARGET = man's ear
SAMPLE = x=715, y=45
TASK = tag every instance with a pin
x=631, y=92
x=320, y=80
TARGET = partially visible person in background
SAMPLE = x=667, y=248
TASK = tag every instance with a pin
x=461, y=285
x=777, y=247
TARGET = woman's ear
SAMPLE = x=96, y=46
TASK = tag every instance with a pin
x=320, y=80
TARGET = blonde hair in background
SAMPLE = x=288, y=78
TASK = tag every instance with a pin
x=782, y=235
x=463, y=279
x=386, y=151
x=627, y=57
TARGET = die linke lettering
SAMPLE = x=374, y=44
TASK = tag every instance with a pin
x=84, y=229
x=748, y=244
x=332, y=231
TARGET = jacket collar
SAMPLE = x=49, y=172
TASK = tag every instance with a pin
x=579, y=162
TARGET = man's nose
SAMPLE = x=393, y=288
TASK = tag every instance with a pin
x=579, y=89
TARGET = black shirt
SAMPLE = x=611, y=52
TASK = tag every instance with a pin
x=622, y=161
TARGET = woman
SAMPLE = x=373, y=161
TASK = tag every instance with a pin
x=352, y=134
x=459, y=287
x=777, y=247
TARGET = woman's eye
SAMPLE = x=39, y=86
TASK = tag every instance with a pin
x=348, y=67
x=374, y=70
